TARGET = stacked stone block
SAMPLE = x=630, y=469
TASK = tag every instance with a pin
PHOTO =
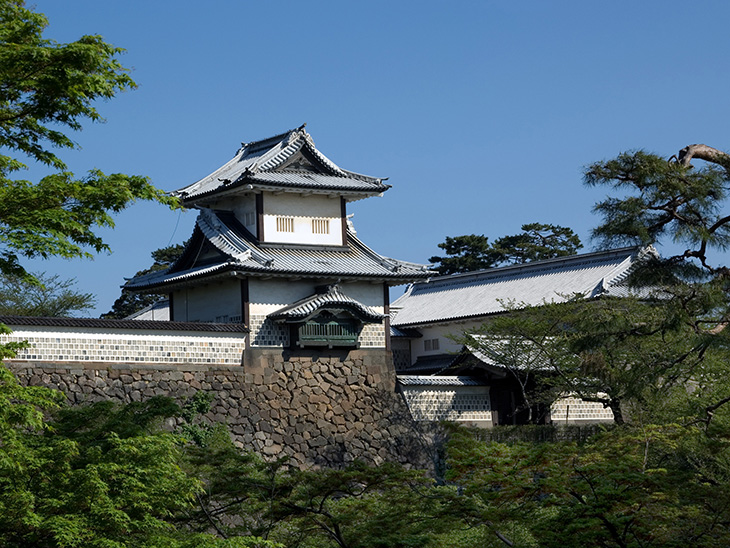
x=316, y=410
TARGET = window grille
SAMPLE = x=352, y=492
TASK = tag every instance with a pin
x=249, y=218
x=320, y=226
x=285, y=224
x=324, y=331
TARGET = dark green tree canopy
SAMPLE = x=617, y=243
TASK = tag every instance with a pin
x=536, y=242
x=666, y=200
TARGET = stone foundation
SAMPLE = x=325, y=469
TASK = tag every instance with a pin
x=316, y=409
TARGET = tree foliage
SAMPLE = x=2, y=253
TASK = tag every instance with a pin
x=626, y=487
x=536, y=242
x=658, y=359
x=97, y=475
x=48, y=90
x=43, y=295
x=354, y=506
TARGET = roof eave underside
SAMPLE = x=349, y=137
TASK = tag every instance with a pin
x=185, y=279
x=349, y=193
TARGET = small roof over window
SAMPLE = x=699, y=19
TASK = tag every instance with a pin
x=330, y=299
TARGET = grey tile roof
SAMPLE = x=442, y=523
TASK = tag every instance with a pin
x=431, y=364
x=95, y=323
x=476, y=294
x=243, y=254
x=427, y=380
x=332, y=298
x=264, y=163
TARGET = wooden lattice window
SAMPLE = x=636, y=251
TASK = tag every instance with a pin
x=328, y=330
x=320, y=226
x=285, y=224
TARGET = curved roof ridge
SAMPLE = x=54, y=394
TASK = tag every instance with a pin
x=226, y=240
x=273, y=139
x=288, y=147
x=192, y=188
x=529, y=267
x=333, y=297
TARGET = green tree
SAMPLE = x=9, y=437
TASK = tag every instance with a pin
x=100, y=475
x=48, y=89
x=129, y=303
x=629, y=487
x=357, y=505
x=45, y=295
x=536, y=242
x=657, y=358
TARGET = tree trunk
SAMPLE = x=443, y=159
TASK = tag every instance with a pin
x=615, y=406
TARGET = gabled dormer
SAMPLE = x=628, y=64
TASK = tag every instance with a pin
x=284, y=191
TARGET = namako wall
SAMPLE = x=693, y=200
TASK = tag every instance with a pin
x=316, y=408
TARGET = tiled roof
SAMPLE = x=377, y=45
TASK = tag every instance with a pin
x=431, y=364
x=428, y=380
x=333, y=298
x=243, y=254
x=96, y=323
x=476, y=294
x=265, y=163
x=157, y=311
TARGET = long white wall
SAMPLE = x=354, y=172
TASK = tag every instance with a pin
x=78, y=344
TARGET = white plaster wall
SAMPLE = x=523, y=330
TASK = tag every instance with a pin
x=440, y=332
x=208, y=303
x=240, y=204
x=303, y=209
x=245, y=212
x=267, y=296
x=371, y=295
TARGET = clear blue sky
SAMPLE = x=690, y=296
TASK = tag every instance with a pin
x=482, y=114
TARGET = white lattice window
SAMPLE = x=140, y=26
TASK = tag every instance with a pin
x=320, y=226
x=249, y=218
x=285, y=224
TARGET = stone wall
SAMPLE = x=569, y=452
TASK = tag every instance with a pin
x=315, y=409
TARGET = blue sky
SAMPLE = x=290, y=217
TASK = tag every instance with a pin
x=482, y=114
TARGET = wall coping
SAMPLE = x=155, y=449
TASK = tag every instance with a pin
x=132, y=325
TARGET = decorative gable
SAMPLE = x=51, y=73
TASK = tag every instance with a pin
x=303, y=162
x=328, y=318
